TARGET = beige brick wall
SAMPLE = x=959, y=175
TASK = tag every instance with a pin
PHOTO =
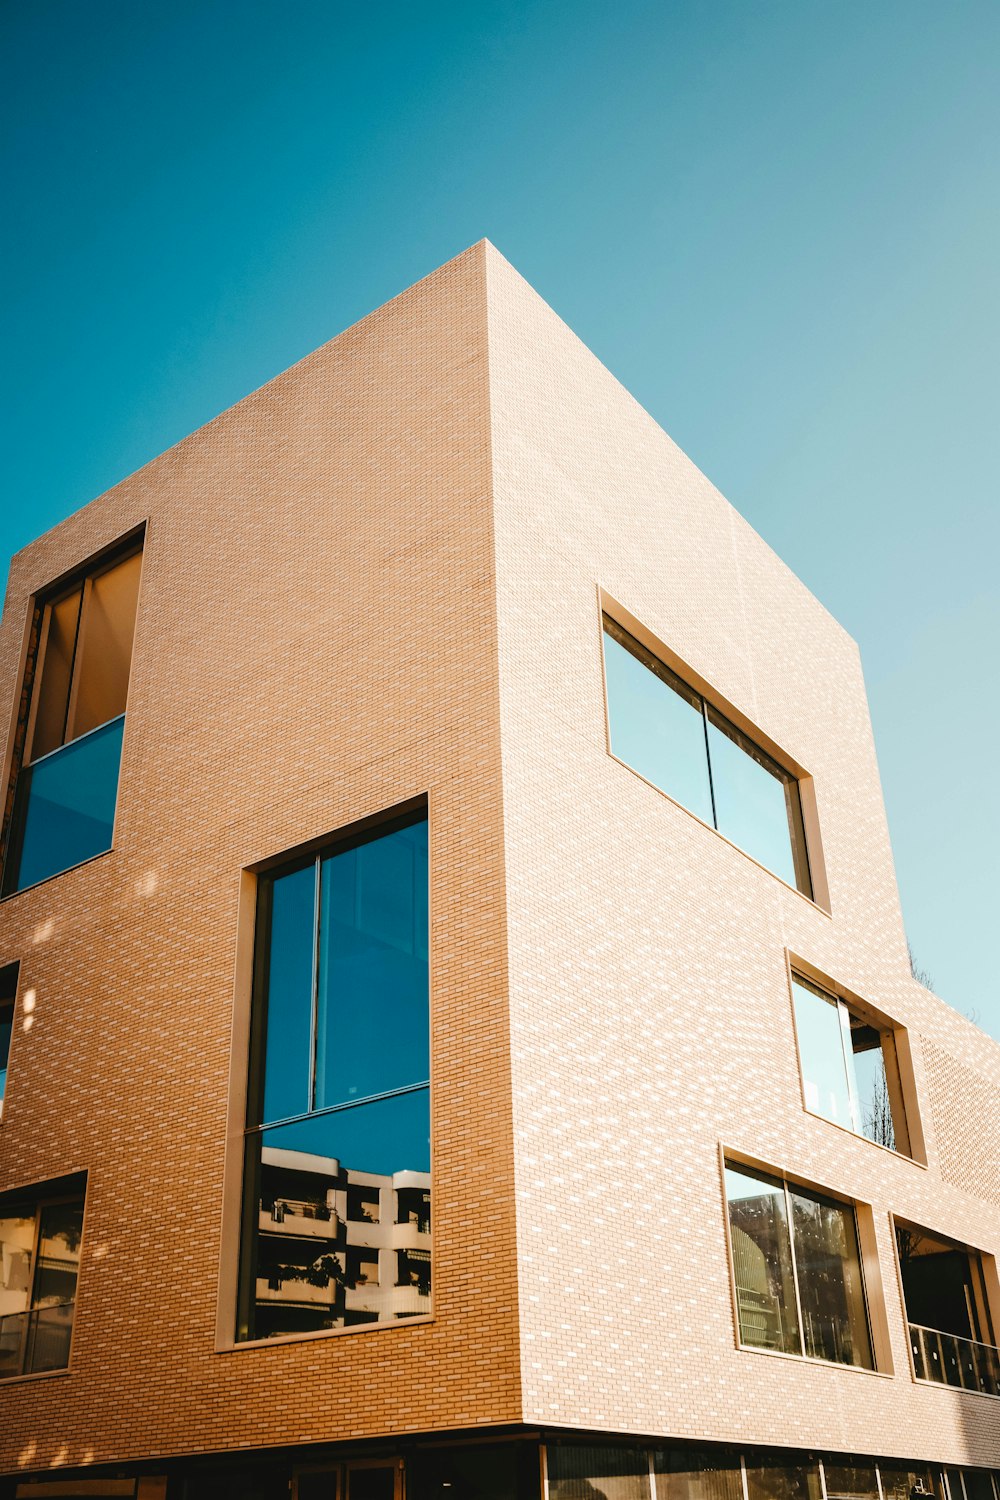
x=315, y=642
x=650, y=1014
x=377, y=578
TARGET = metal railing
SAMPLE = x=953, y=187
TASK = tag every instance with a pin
x=36, y=1340
x=948, y=1359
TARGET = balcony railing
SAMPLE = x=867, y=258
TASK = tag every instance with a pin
x=34, y=1341
x=948, y=1359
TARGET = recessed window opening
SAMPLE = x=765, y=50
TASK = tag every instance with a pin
x=850, y=1068
x=70, y=744
x=336, y=1222
x=668, y=732
x=952, y=1334
x=40, y=1239
x=797, y=1269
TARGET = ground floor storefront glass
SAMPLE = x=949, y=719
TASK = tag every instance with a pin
x=519, y=1466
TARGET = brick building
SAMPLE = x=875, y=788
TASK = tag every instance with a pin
x=456, y=1029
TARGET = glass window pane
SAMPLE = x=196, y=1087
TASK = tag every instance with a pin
x=821, y=1053
x=372, y=1019
x=774, y=1479
x=690, y=1474
x=656, y=723
x=871, y=1086
x=851, y=1481
x=65, y=807
x=831, y=1291
x=304, y=1255
x=977, y=1485
x=289, y=996
x=59, y=1236
x=55, y=670
x=579, y=1473
x=478, y=1471
x=752, y=797
x=899, y=1479
x=762, y=1261
x=105, y=652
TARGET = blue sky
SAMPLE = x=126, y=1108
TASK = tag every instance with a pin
x=777, y=223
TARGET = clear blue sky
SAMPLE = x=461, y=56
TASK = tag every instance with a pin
x=776, y=222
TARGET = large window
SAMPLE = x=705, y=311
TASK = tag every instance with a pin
x=667, y=732
x=336, y=1224
x=952, y=1335
x=797, y=1270
x=850, y=1067
x=70, y=743
x=39, y=1259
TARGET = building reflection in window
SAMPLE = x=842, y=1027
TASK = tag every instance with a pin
x=337, y=1226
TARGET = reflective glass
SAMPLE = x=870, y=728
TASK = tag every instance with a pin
x=762, y=1261
x=476, y=1471
x=900, y=1479
x=751, y=797
x=977, y=1485
x=372, y=1024
x=771, y=1479
x=314, y=1267
x=871, y=1086
x=831, y=1290
x=656, y=723
x=581, y=1473
x=819, y=1029
x=289, y=995
x=65, y=807
x=689, y=1474
x=851, y=1481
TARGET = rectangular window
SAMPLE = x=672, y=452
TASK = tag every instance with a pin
x=850, y=1067
x=39, y=1260
x=669, y=733
x=70, y=745
x=338, y=1124
x=8, y=994
x=797, y=1270
x=952, y=1334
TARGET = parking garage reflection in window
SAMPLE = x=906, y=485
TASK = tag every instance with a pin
x=336, y=1228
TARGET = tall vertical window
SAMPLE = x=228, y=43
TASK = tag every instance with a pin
x=64, y=800
x=665, y=730
x=797, y=1270
x=850, y=1069
x=336, y=1221
x=8, y=994
x=39, y=1261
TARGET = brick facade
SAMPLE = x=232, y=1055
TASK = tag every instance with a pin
x=377, y=579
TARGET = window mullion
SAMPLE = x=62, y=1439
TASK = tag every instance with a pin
x=795, y=1267
x=848, y=1050
x=708, y=760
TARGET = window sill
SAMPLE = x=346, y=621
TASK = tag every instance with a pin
x=6, y=1380
x=804, y=1359
x=719, y=835
x=857, y=1136
x=24, y=889
x=284, y=1339
x=957, y=1390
